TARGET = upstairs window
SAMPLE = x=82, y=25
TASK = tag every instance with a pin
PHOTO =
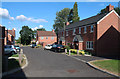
x=85, y=29
x=74, y=30
x=52, y=38
x=91, y=30
x=79, y=30
x=42, y=38
x=66, y=32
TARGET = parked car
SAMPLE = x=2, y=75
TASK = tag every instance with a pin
x=9, y=49
x=48, y=46
x=33, y=45
x=58, y=48
x=17, y=48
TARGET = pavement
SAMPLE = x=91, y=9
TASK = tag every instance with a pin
x=45, y=63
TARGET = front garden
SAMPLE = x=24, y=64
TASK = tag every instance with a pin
x=108, y=65
x=70, y=51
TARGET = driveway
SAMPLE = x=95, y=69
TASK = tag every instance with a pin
x=44, y=63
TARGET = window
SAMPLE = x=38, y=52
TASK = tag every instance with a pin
x=42, y=37
x=79, y=30
x=89, y=45
x=85, y=29
x=52, y=38
x=46, y=37
x=91, y=30
x=74, y=31
x=66, y=32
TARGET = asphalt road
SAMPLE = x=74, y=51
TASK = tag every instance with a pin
x=44, y=63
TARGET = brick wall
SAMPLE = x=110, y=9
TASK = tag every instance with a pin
x=47, y=41
x=108, y=36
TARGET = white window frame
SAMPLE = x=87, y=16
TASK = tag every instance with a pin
x=89, y=45
x=66, y=32
x=85, y=29
x=79, y=30
x=42, y=38
x=74, y=30
x=91, y=28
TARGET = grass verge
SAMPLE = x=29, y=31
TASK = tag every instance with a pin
x=108, y=65
x=14, y=63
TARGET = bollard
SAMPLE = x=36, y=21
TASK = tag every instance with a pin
x=20, y=56
x=77, y=52
x=65, y=51
x=69, y=52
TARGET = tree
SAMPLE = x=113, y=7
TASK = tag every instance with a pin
x=104, y=11
x=61, y=18
x=75, y=13
x=18, y=40
x=117, y=10
x=41, y=29
x=26, y=35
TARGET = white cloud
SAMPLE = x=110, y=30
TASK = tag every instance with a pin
x=24, y=18
x=5, y=14
x=14, y=28
x=40, y=26
x=9, y=22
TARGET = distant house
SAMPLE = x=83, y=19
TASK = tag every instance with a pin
x=46, y=37
x=98, y=34
x=2, y=36
x=9, y=37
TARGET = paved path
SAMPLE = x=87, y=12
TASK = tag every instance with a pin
x=44, y=63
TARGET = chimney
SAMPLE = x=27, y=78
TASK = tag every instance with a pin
x=109, y=8
x=67, y=23
x=53, y=30
x=13, y=30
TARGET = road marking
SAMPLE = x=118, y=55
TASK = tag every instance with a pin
x=79, y=59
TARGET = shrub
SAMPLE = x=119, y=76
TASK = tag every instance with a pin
x=67, y=47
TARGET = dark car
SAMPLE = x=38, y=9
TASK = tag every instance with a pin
x=58, y=48
x=33, y=45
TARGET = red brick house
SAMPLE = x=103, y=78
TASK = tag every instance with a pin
x=98, y=34
x=46, y=37
x=9, y=37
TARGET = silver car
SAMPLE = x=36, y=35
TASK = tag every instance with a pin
x=9, y=49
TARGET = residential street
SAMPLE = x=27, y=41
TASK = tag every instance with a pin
x=44, y=63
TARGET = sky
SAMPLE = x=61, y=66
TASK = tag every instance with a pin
x=42, y=14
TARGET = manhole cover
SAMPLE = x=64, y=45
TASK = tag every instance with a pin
x=72, y=71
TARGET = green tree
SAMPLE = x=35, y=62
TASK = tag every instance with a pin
x=104, y=10
x=26, y=35
x=117, y=10
x=61, y=18
x=76, y=18
x=18, y=40
x=41, y=29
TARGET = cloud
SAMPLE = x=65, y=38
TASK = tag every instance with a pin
x=5, y=14
x=14, y=28
x=24, y=18
x=9, y=22
x=40, y=26
x=35, y=28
